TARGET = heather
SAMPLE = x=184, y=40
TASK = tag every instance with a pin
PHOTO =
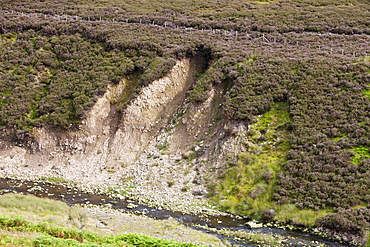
x=297, y=72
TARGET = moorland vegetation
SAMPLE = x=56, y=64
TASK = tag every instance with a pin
x=298, y=72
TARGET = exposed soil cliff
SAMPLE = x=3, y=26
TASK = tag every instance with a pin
x=162, y=147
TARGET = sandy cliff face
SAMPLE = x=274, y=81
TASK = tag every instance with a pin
x=161, y=147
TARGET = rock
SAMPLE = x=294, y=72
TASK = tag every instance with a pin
x=198, y=193
x=131, y=205
x=267, y=215
x=187, y=154
x=253, y=224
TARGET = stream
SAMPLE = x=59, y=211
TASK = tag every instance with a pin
x=71, y=195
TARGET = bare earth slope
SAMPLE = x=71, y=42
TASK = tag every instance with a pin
x=156, y=149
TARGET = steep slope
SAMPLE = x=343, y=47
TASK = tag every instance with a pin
x=157, y=148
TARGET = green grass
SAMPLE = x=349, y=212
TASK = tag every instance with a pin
x=8, y=38
x=55, y=180
x=265, y=239
x=336, y=139
x=361, y=152
x=57, y=236
x=365, y=59
x=4, y=96
x=368, y=239
x=26, y=220
x=18, y=231
x=367, y=93
x=290, y=213
x=33, y=204
x=162, y=147
x=130, y=85
x=246, y=62
x=248, y=187
x=262, y=2
x=42, y=210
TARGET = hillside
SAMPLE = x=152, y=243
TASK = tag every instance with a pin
x=261, y=108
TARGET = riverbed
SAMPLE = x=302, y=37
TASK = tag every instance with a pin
x=225, y=227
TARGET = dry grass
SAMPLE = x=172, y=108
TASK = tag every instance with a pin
x=18, y=234
x=103, y=221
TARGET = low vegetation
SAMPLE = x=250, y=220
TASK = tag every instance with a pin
x=296, y=72
x=31, y=221
x=247, y=187
x=57, y=236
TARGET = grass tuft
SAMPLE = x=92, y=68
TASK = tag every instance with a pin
x=32, y=203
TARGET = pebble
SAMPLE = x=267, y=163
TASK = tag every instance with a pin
x=131, y=205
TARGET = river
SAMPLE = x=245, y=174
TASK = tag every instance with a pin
x=71, y=195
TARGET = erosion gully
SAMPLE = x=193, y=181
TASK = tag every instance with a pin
x=71, y=195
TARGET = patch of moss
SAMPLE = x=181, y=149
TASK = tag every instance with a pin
x=367, y=93
x=361, y=152
x=336, y=139
x=248, y=187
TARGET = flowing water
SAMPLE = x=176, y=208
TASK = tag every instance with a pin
x=71, y=196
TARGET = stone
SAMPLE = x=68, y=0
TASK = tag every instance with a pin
x=253, y=224
x=131, y=205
